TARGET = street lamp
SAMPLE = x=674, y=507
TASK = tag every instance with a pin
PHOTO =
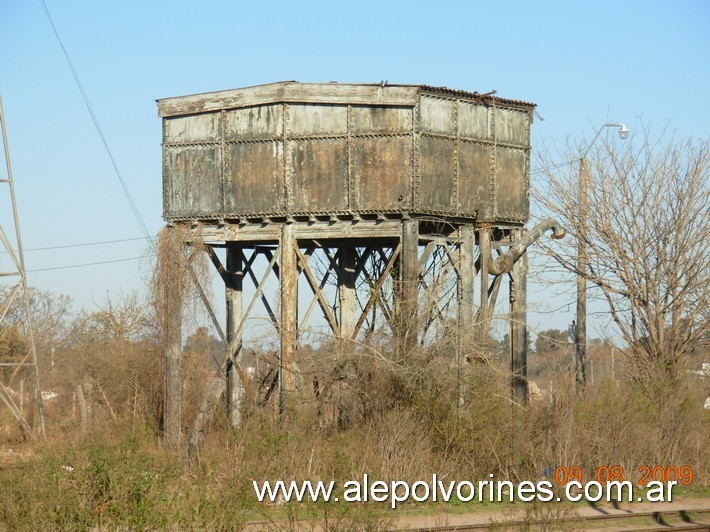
x=580, y=339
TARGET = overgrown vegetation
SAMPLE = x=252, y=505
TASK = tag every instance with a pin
x=645, y=227
x=402, y=421
x=372, y=408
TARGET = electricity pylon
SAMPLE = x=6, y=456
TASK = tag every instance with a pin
x=12, y=365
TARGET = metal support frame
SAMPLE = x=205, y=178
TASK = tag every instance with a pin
x=289, y=312
x=417, y=282
x=409, y=278
x=218, y=384
x=466, y=297
x=172, y=415
x=347, y=273
x=233, y=295
x=518, y=327
x=20, y=289
x=484, y=246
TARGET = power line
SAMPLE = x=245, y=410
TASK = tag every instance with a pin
x=127, y=193
x=86, y=264
x=551, y=167
x=134, y=208
x=85, y=244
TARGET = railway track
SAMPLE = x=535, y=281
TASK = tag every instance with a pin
x=652, y=520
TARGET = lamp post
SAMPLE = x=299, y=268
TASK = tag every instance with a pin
x=580, y=339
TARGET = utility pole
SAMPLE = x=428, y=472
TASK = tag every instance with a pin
x=580, y=375
x=580, y=337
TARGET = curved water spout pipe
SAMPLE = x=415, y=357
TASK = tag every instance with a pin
x=504, y=263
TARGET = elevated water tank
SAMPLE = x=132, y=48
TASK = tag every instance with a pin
x=301, y=149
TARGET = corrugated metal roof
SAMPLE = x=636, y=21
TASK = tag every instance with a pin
x=476, y=95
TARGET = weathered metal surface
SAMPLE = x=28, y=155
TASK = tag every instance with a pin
x=291, y=92
x=193, y=183
x=512, y=198
x=504, y=263
x=473, y=182
x=253, y=123
x=172, y=424
x=437, y=115
x=189, y=129
x=372, y=158
x=293, y=149
x=347, y=291
x=288, y=278
x=253, y=177
x=407, y=320
x=436, y=182
x=319, y=170
x=518, y=324
x=234, y=284
x=369, y=120
x=484, y=251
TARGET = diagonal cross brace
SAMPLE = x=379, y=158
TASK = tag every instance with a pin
x=218, y=384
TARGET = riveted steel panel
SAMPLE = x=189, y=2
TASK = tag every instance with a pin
x=298, y=148
x=252, y=123
x=253, y=180
x=318, y=120
x=473, y=121
x=196, y=128
x=193, y=184
x=319, y=170
x=381, y=169
x=436, y=186
x=437, y=115
x=474, y=176
x=512, y=200
x=381, y=120
x=513, y=126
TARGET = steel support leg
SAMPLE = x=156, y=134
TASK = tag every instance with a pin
x=409, y=271
x=233, y=294
x=484, y=246
x=172, y=419
x=288, y=275
x=519, y=327
x=346, y=289
x=466, y=313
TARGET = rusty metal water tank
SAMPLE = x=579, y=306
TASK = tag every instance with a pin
x=304, y=149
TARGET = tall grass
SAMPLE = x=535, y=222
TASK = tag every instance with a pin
x=405, y=423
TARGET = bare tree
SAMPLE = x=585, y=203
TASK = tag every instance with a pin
x=52, y=327
x=646, y=227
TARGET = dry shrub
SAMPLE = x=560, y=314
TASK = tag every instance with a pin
x=170, y=274
x=181, y=277
x=617, y=424
x=413, y=404
x=181, y=263
x=391, y=417
x=418, y=429
x=397, y=449
x=108, y=482
x=408, y=417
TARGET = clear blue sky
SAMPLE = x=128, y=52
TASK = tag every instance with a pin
x=583, y=63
